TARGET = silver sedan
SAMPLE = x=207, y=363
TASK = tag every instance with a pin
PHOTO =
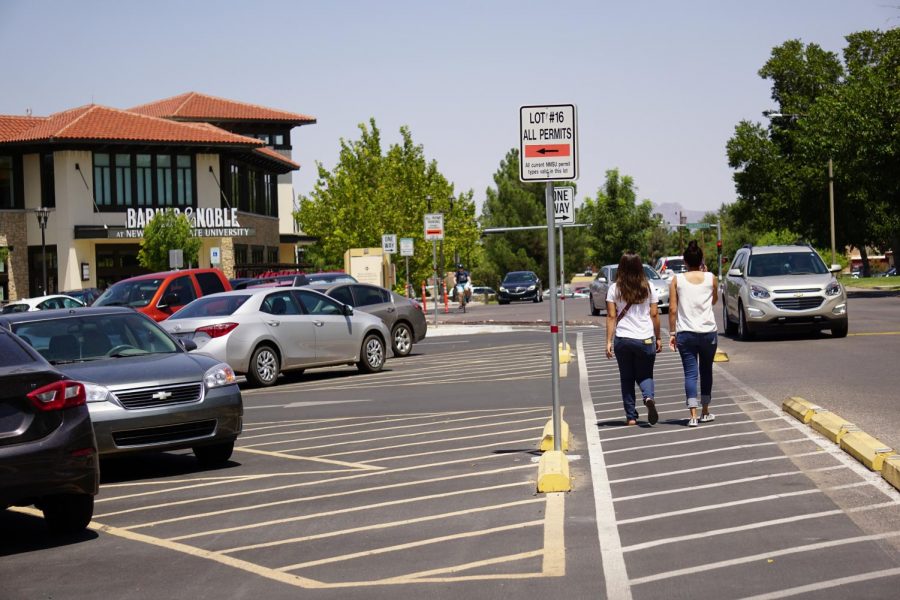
x=261, y=332
x=606, y=277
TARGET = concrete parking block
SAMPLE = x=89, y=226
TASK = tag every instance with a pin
x=553, y=473
x=866, y=449
x=890, y=470
x=832, y=426
x=547, y=435
x=800, y=409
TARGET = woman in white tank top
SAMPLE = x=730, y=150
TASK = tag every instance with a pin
x=693, y=330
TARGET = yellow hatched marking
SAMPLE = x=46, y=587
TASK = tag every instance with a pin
x=876, y=333
x=555, y=536
x=450, y=379
x=357, y=466
x=463, y=449
x=429, y=576
x=342, y=511
x=437, y=441
x=408, y=545
x=388, y=525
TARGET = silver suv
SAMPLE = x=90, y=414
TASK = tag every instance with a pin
x=782, y=286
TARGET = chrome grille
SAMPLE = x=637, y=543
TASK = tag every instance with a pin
x=799, y=291
x=161, y=396
x=798, y=303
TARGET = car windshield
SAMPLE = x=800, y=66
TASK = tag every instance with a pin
x=520, y=277
x=676, y=265
x=137, y=293
x=786, y=263
x=212, y=306
x=331, y=278
x=651, y=274
x=15, y=308
x=78, y=338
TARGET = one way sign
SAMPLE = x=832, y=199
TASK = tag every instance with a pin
x=564, y=205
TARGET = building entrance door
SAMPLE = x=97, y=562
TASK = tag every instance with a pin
x=116, y=262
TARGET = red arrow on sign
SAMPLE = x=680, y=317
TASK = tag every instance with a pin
x=433, y=231
x=547, y=150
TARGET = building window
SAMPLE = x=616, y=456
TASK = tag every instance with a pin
x=48, y=180
x=8, y=183
x=102, y=180
x=273, y=255
x=257, y=254
x=163, y=180
x=143, y=179
x=267, y=195
x=234, y=178
x=123, y=180
x=252, y=189
x=240, y=254
x=184, y=192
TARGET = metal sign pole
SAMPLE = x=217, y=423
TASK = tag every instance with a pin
x=407, y=277
x=434, y=251
x=554, y=329
x=562, y=284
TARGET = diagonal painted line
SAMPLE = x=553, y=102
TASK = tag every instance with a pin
x=697, y=440
x=716, y=466
x=826, y=585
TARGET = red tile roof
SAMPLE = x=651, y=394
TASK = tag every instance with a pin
x=13, y=125
x=275, y=155
x=195, y=106
x=95, y=122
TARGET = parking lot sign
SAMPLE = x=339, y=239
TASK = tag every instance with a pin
x=434, y=226
x=406, y=247
x=389, y=243
x=547, y=143
x=564, y=205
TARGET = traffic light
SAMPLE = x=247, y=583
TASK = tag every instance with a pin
x=718, y=246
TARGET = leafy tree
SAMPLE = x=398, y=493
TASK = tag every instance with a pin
x=618, y=222
x=370, y=193
x=167, y=230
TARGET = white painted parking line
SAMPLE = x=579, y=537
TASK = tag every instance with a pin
x=323, y=403
x=725, y=465
x=694, y=454
x=612, y=563
x=763, y=556
x=826, y=585
x=420, y=443
x=696, y=440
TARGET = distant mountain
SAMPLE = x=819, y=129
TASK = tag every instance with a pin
x=669, y=212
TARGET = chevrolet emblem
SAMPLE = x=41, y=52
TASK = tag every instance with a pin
x=161, y=395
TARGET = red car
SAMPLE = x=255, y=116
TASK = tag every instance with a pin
x=158, y=295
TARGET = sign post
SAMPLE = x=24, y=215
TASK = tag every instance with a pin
x=548, y=152
x=406, y=250
x=215, y=256
x=434, y=231
x=564, y=213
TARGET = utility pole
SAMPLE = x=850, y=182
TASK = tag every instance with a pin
x=831, y=208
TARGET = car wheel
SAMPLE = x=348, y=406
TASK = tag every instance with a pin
x=840, y=329
x=730, y=327
x=401, y=340
x=68, y=513
x=537, y=298
x=744, y=331
x=371, y=358
x=595, y=312
x=264, y=366
x=502, y=301
x=214, y=455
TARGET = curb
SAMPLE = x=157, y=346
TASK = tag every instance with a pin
x=869, y=451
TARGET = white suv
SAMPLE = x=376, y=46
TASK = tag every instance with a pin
x=782, y=286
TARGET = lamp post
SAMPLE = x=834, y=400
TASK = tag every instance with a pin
x=43, y=213
x=774, y=114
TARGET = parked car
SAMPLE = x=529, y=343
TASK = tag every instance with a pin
x=481, y=290
x=262, y=332
x=145, y=392
x=607, y=276
x=86, y=295
x=667, y=266
x=242, y=283
x=48, y=453
x=42, y=303
x=782, y=286
x=402, y=316
x=520, y=285
x=159, y=295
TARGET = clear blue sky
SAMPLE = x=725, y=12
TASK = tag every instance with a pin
x=659, y=85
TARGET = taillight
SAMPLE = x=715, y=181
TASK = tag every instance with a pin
x=58, y=395
x=217, y=330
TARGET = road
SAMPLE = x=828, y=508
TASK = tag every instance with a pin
x=420, y=481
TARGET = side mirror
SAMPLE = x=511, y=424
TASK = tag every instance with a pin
x=835, y=268
x=188, y=345
x=601, y=279
x=735, y=273
x=168, y=300
x=348, y=310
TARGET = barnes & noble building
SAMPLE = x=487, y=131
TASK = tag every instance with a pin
x=103, y=173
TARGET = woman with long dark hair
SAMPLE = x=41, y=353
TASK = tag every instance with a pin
x=632, y=334
x=693, y=330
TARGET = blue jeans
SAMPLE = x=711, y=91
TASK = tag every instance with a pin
x=635, y=358
x=697, y=351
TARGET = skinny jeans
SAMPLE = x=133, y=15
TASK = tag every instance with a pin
x=697, y=351
x=635, y=358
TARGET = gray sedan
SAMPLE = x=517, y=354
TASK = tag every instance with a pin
x=262, y=332
x=144, y=391
x=401, y=315
x=607, y=276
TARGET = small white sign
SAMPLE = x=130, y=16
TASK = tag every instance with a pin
x=564, y=205
x=215, y=256
x=406, y=247
x=176, y=259
x=389, y=243
x=434, y=226
x=547, y=143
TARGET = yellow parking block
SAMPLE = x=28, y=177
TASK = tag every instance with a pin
x=866, y=449
x=720, y=356
x=890, y=470
x=800, y=409
x=547, y=437
x=553, y=473
x=565, y=353
x=831, y=425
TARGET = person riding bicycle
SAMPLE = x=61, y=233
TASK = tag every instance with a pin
x=461, y=278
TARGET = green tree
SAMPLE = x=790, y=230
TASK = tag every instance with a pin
x=619, y=223
x=370, y=193
x=167, y=230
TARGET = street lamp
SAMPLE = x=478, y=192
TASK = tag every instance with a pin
x=43, y=213
x=774, y=114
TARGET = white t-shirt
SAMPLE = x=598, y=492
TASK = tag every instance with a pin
x=636, y=323
x=695, y=312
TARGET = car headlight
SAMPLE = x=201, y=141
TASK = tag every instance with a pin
x=758, y=292
x=96, y=393
x=502, y=289
x=531, y=288
x=219, y=375
x=833, y=289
